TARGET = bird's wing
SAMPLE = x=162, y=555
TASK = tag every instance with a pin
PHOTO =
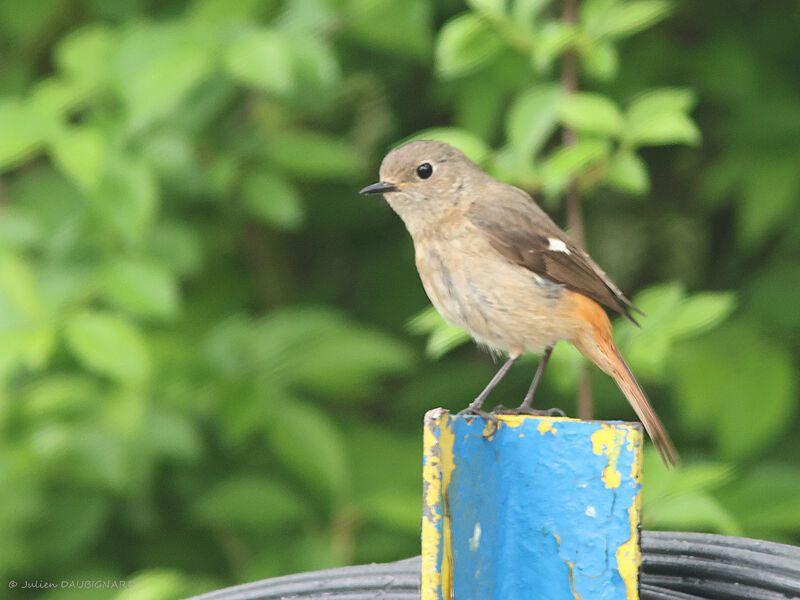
x=522, y=232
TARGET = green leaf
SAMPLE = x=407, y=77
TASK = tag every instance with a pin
x=569, y=161
x=692, y=512
x=526, y=11
x=688, y=478
x=660, y=117
x=620, y=19
x=172, y=435
x=127, y=198
x=532, y=119
x=60, y=395
x=465, y=44
x=309, y=443
x=85, y=55
x=107, y=344
x=701, y=312
x=23, y=132
x=661, y=100
x=157, y=67
x=551, y=41
x=177, y=246
x=565, y=366
x=314, y=69
x=261, y=58
x=587, y=112
x=272, y=199
x=18, y=228
x=250, y=503
x=333, y=355
x=221, y=13
x=19, y=287
x=141, y=287
x=53, y=99
x=492, y=8
x=442, y=337
x=723, y=375
x=671, y=315
x=156, y=584
x=346, y=361
x=773, y=512
x=313, y=156
x=469, y=143
x=628, y=173
x=80, y=154
x=600, y=60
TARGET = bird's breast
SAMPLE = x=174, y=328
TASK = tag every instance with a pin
x=501, y=304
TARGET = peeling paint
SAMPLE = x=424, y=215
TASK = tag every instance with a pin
x=629, y=554
x=494, y=505
x=575, y=593
x=438, y=465
x=475, y=540
x=546, y=426
x=608, y=440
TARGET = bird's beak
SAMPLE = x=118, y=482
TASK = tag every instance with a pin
x=378, y=188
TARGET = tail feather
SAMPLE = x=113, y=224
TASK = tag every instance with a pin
x=647, y=415
x=595, y=343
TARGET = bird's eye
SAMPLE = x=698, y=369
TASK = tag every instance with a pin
x=425, y=170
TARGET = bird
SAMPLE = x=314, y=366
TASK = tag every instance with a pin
x=495, y=264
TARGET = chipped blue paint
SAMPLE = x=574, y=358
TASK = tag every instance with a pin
x=541, y=509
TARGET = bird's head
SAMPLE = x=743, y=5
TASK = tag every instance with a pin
x=422, y=180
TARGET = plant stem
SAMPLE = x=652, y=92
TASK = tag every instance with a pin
x=569, y=83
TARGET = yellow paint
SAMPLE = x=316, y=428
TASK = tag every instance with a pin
x=546, y=425
x=635, y=443
x=446, y=439
x=491, y=427
x=571, y=566
x=430, y=560
x=431, y=516
x=436, y=531
x=608, y=440
x=629, y=555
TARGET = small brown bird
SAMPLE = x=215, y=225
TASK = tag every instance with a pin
x=493, y=263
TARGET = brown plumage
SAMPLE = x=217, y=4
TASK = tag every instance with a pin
x=494, y=263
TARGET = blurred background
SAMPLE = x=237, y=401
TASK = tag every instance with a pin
x=215, y=356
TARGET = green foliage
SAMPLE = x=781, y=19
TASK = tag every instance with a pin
x=204, y=372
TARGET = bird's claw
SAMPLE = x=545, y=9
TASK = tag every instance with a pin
x=489, y=417
x=524, y=410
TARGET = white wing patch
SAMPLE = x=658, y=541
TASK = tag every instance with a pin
x=557, y=245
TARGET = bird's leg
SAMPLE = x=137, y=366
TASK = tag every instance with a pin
x=475, y=406
x=525, y=408
x=526, y=403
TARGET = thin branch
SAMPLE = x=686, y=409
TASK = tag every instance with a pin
x=569, y=83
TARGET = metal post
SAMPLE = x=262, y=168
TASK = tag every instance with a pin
x=540, y=508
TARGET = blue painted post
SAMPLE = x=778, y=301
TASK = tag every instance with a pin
x=542, y=508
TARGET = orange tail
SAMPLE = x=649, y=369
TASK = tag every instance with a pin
x=647, y=415
x=597, y=345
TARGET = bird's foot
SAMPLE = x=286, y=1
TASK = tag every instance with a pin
x=490, y=418
x=527, y=410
